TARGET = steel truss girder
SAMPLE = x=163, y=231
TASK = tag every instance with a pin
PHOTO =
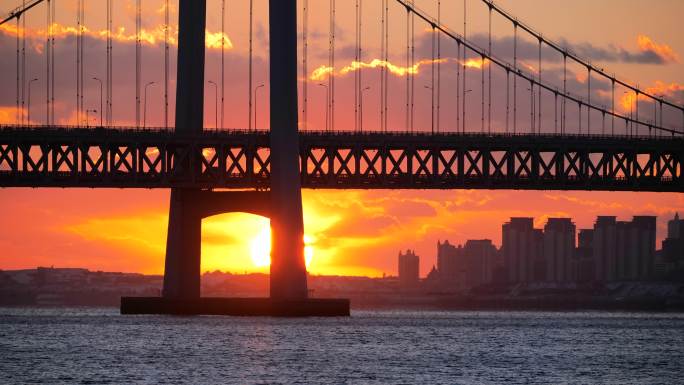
x=241, y=160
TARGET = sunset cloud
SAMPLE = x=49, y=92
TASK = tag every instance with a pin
x=150, y=37
x=323, y=72
x=671, y=91
x=662, y=51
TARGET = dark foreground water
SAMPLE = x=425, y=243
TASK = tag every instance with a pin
x=101, y=346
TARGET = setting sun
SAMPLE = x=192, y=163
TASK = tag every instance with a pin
x=260, y=249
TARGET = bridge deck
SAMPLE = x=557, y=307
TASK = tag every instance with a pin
x=235, y=159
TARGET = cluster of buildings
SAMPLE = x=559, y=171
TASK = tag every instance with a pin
x=73, y=287
x=610, y=251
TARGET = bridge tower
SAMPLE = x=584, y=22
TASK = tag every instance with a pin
x=189, y=206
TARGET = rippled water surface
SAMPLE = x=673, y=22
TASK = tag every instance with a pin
x=101, y=346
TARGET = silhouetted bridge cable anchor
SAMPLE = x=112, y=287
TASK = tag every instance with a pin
x=127, y=158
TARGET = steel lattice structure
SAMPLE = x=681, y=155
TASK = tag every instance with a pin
x=127, y=158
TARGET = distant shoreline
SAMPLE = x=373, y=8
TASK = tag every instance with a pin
x=430, y=303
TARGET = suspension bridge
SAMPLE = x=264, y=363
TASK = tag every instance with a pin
x=496, y=122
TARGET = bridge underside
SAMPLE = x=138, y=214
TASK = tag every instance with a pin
x=44, y=157
x=188, y=208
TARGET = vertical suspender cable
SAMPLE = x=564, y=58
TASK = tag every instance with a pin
x=19, y=112
x=612, y=107
x=358, y=70
x=78, y=63
x=432, y=81
x=555, y=112
x=465, y=55
x=439, y=64
x=23, y=67
x=382, y=67
x=386, y=90
x=482, y=73
x=565, y=93
x=251, y=53
x=52, y=62
x=458, y=85
x=166, y=62
x=515, y=77
x=47, y=64
x=408, y=67
x=110, y=80
x=603, y=122
x=305, y=61
x=636, y=112
x=331, y=63
x=82, y=53
x=508, y=96
x=532, y=104
x=83, y=109
x=539, y=96
x=305, y=69
x=138, y=66
x=489, y=82
x=588, y=100
x=413, y=63
x=579, y=108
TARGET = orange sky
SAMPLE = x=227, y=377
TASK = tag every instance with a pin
x=349, y=232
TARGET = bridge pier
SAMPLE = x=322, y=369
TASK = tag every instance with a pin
x=283, y=204
x=184, y=240
x=183, y=247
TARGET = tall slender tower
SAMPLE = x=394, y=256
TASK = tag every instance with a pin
x=288, y=271
x=183, y=242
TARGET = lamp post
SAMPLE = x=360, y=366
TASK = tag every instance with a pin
x=255, y=104
x=361, y=109
x=533, y=109
x=145, y=105
x=29, y=99
x=215, y=103
x=432, y=114
x=100, y=81
x=465, y=92
x=327, y=103
x=630, y=125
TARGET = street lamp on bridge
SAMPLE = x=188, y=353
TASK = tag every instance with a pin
x=215, y=103
x=327, y=103
x=361, y=108
x=255, y=104
x=29, y=99
x=100, y=81
x=145, y=105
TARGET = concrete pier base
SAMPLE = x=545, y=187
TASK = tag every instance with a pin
x=255, y=307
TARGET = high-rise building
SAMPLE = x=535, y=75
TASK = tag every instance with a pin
x=522, y=247
x=675, y=228
x=636, y=247
x=409, y=273
x=644, y=233
x=479, y=260
x=448, y=262
x=605, y=249
x=559, y=248
x=585, y=262
x=673, y=245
